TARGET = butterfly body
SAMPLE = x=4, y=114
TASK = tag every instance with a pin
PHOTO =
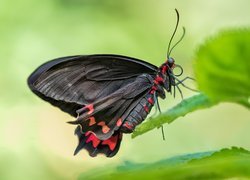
x=138, y=114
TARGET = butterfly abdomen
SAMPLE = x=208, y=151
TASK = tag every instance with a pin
x=138, y=114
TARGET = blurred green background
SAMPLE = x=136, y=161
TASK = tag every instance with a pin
x=35, y=141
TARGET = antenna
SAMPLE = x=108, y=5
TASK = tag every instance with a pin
x=182, y=36
x=176, y=26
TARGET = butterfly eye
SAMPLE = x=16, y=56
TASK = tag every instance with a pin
x=170, y=61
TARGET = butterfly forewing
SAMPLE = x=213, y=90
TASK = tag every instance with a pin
x=71, y=82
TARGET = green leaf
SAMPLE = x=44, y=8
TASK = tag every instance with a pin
x=222, y=67
x=186, y=106
x=223, y=164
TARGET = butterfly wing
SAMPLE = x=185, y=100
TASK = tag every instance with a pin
x=105, y=115
x=74, y=81
x=101, y=89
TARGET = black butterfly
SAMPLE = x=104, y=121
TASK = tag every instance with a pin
x=108, y=94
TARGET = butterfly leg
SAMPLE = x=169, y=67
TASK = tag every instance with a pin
x=158, y=107
x=181, y=82
x=186, y=78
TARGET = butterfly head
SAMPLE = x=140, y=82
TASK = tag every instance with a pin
x=170, y=62
x=166, y=71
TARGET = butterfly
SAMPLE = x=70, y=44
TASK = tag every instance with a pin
x=107, y=94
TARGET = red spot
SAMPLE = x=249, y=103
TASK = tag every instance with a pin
x=102, y=123
x=164, y=69
x=111, y=142
x=119, y=122
x=105, y=128
x=95, y=141
x=90, y=107
x=127, y=125
x=153, y=89
x=150, y=100
x=158, y=79
x=156, y=82
x=87, y=133
x=91, y=121
x=146, y=108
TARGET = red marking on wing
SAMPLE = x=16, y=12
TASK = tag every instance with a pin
x=91, y=121
x=146, y=108
x=119, y=122
x=111, y=142
x=90, y=107
x=150, y=100
x=87, y=133
x=92, y=138
x=102, y=123
x=105, y=128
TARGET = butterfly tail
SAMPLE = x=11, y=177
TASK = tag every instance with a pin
x=94, y=146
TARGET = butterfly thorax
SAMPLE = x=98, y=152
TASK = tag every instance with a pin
x=166, y=72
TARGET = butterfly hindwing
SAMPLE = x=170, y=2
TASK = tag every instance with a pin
x=99, y=130
x=106, y=115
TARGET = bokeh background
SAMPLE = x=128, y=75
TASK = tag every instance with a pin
x=35, y=140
